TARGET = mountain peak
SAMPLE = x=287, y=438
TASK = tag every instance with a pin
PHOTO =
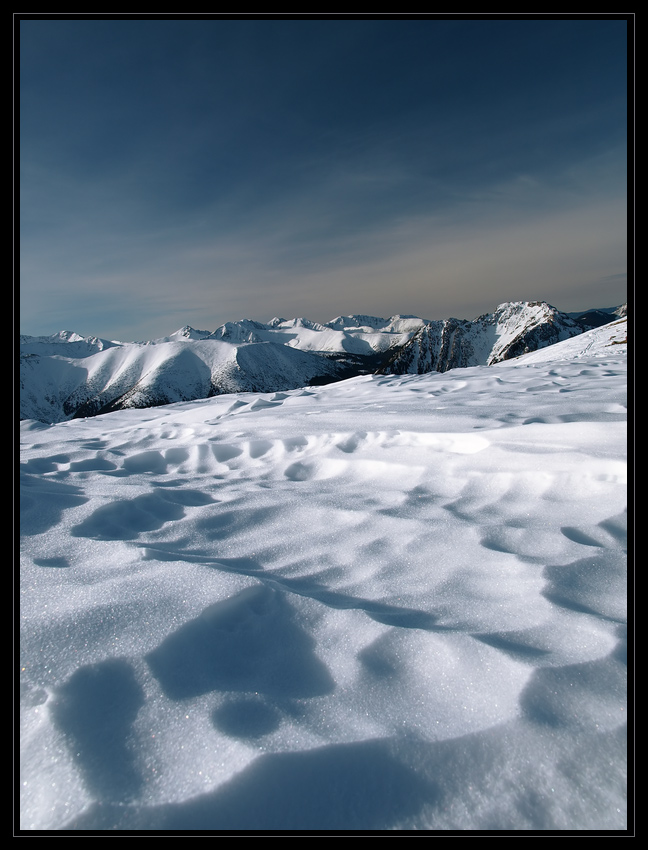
x=187, y=332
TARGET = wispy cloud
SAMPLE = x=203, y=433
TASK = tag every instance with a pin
x=292, y=257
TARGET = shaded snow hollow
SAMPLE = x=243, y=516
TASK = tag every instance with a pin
x=389, y=603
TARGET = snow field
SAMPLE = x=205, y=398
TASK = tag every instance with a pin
x=387, y=603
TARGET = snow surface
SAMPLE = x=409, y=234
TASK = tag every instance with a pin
x=389, y=603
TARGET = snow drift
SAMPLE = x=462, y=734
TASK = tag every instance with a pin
x=387, y=603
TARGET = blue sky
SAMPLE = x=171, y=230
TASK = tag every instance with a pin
x=194, y=172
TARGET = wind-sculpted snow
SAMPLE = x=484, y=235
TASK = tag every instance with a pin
x=390, y=603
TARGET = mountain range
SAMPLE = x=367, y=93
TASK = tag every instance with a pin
x=67, y=376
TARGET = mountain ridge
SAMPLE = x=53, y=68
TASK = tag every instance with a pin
x=68, y=376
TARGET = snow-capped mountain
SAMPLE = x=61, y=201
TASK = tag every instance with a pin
x=514, y=328
x=351, y=338
x=63, y=343
x=185, y=333
x=67, y=376
x=55, y=388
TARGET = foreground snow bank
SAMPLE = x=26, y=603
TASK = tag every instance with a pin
x=387, y=603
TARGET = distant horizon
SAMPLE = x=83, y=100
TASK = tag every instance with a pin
x=218, y=168
x=196, y=327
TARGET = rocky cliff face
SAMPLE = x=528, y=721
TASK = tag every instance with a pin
x=513, y=329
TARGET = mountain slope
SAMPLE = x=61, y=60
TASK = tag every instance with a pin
x=55, y=388
x=608, y=340
x=513, y=329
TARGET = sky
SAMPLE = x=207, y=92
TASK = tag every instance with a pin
x=191, y=172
